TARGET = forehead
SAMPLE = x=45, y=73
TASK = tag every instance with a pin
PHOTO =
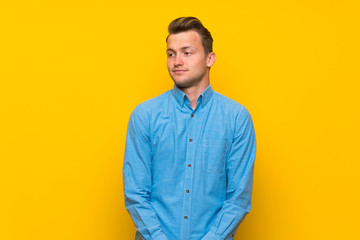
x=184, y=39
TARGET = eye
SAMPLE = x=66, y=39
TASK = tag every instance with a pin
x=171, y=54
x=187, y=53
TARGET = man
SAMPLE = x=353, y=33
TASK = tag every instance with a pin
x=189, y=155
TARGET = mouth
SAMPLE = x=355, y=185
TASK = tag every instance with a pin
x=179, y=70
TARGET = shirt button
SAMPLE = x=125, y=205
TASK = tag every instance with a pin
x=185, y=217
x=192, y=115
x=187, y=191
x=189, y=165
x=190, y=140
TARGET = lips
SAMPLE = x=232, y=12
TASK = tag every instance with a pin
x=179, y=70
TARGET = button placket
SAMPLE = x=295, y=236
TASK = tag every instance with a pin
x=189, y=171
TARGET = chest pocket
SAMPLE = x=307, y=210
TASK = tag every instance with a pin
x=214, y=154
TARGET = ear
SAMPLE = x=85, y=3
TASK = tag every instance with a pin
x=211, y=59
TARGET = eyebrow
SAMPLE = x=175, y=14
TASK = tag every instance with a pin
x=183, y=48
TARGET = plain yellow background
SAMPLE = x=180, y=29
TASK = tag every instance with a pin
x=71, y=72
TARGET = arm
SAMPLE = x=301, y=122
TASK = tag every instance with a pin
x=137, y=177
x=240, y=168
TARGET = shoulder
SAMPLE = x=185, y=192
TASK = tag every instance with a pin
x=238, y=115
x=149, y=106
x=231, y=106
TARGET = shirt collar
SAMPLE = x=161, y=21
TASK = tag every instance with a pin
x=180, y=96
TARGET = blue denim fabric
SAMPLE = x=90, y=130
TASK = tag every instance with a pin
x=188, y=173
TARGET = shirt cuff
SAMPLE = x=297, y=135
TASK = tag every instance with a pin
x=210, y=236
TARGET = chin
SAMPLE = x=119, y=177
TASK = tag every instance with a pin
x=185, y=84
x=182, y=85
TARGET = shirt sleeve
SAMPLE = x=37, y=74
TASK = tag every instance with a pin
x=240, y=169
x=137, y=177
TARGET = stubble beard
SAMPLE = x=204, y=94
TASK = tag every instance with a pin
x=189, y=82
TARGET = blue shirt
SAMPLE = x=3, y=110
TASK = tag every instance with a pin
x=188, y=173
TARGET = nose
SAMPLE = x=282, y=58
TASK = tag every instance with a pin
x=178, y=61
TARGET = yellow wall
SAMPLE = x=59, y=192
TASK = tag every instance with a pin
x=72, y=71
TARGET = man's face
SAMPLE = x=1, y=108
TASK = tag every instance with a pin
x=186, y=60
